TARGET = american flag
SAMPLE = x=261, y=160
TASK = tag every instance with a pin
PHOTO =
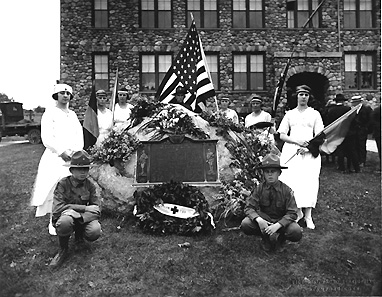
x=190, y=70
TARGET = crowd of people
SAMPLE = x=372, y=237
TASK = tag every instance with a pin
x=62, y=188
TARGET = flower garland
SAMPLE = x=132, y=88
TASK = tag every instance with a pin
x=171, y=120
x=154, y=222
x=118, y=145
x=223, y=124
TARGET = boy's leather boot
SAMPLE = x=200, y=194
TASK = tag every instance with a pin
x=62, y=254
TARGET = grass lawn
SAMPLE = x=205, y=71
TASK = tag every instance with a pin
x=339, y=258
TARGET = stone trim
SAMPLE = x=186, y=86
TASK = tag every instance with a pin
x=308, y=54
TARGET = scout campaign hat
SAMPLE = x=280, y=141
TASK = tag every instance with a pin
x=80, y=159
x=271, y=161
x=303, y=88
x=180, y=91
x=255, y=98
x=60, y=88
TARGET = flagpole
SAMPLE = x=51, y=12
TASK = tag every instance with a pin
x=353, y=109
x=205, y=62
x=113, y=99
x=277, y=95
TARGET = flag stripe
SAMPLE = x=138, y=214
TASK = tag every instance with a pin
x=90, y=125
x=336, y=132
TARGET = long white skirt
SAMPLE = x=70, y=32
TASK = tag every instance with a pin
x=51, y=169
x=302, y=175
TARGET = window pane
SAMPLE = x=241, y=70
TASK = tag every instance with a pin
x=239, y=63
x=101, y=19
x=196, y=15
x=164, y=63
x=148, y=63
x=302, y=16
x=290, y=16
x=365, y=19
x=349, y=19
x=257, y=81
x=193, y=4
x=148, y=5
x=210, y=19
x=164, y=19
x=303, y=5
x=210, y=5
x=148, y=81
x=164, y=4
x=366, y=63
x=215, y=79
x=350, y=62
x=100, y=4
x=255, y=5
x=101, y=84
x=148, y=19
x=365, y=5
x=238, y=4
x=212, y=62
x=350, y=80
x=256, y=19
x=240, y=81
x=239, y=19
x=257, y=63
x=349, y=5
x=367, y=80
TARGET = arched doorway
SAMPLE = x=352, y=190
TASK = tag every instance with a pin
x=316, y=81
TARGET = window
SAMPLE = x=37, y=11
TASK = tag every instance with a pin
x=213, y=66
x=360, y=71
x=248, y=72
x=205, y=13
x=359, y=14
x=100, y=14
x=153, y=69
x=299, y=11
x=156, y=14
x=248, y=14
x=101, y=71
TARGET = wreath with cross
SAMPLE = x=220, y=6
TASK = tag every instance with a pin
x=176, y=196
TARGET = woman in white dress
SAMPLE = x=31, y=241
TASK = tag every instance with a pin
x=298, y=126
x=104, y=115
x=61, y=134
x=122, y=109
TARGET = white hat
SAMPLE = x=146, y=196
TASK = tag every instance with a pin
x=62, y=87
x=356, y=99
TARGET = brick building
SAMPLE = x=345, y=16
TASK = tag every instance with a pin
x=247, y=45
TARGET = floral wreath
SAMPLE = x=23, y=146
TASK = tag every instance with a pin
x=171, y=120
x=154, y=222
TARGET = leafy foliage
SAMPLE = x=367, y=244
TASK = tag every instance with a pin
x=223, y=124
x=144, y=108
x=172, y=121
x=155, y=222
x=118, y=145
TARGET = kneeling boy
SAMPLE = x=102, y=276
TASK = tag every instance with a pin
x=271, y=209
x=75, y=207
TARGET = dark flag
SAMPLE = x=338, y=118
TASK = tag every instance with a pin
x=189, y=69
x=90, y=125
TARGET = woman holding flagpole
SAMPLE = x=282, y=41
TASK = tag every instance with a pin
x=297, y=128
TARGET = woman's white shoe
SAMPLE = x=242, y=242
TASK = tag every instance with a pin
x=52, y=230
x=309, y=223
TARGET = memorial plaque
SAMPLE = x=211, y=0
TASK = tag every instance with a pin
x=177, y=159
